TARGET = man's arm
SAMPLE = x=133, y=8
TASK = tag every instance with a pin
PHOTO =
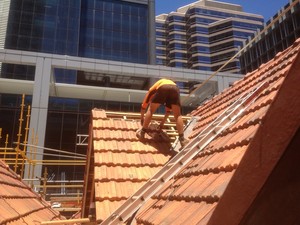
x=146, y=101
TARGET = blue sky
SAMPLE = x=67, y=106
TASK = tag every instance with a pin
x=266, y=8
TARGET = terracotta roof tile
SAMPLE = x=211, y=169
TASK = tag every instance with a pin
x=19, y=204
x=193, y=212
x=195, y=192
x=121, y=162
x=99, y=113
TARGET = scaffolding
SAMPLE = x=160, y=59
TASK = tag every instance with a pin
x=23, y=154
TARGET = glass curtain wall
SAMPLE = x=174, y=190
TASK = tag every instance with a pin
x=101, y=29
x=114, y=30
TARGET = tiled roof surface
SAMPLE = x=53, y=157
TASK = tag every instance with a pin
x=121, y=162
x=19, y=204
x=194, y=193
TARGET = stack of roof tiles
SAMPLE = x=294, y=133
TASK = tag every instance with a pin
x=120, y=162
x=19, y=204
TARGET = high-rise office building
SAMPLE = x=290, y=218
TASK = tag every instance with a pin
x=204, y=35
x=284, y=30
x=115, y=30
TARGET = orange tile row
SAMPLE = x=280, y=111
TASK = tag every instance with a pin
x=122, y=173
x=129, y=159
x=115, y=124
x=128, y=146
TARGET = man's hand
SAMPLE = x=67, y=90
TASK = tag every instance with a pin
x=142, y=116
x=161, y=126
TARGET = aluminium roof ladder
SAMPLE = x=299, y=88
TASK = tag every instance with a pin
x=197, y=144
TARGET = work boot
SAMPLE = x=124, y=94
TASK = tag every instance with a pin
x=140, y=134
x=183, y=141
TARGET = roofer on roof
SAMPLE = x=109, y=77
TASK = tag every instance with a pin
x=163, y=92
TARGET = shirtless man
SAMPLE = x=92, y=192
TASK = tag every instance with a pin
x=163, y=92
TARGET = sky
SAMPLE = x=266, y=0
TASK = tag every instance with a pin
x=266, y=8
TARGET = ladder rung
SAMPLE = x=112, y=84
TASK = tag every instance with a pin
x=225, y=120
x=229, y=110
x=134, y=197
x=154, y=180
x=214, y=125
x=216, y=122
x=200, y=136
x=186, y=149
